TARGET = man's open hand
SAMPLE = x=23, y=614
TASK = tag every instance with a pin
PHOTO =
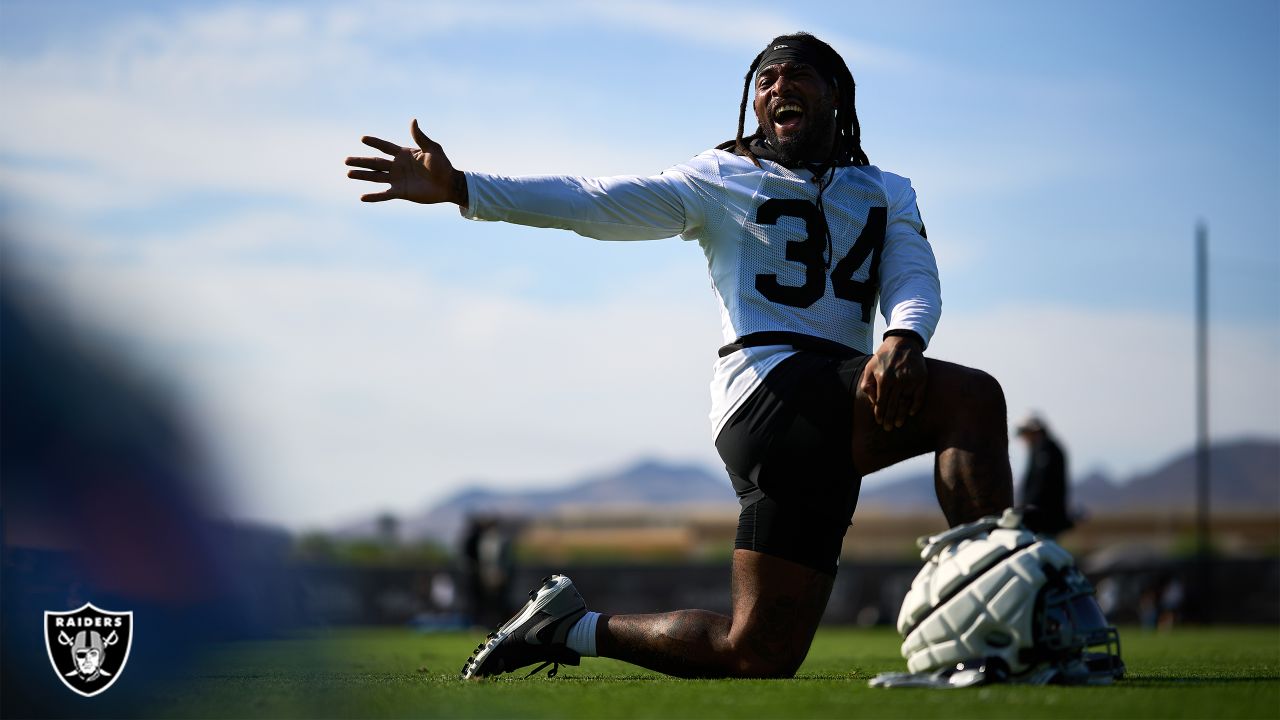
x=422, y=175
x=894, y=380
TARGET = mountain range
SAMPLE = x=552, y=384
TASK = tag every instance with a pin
x=1245, y=477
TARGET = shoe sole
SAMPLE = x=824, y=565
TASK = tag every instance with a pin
x=538, y=599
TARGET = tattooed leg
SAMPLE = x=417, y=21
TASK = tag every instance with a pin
x=777, y=605
x=972, y=477
x=964, y=422
x=684, y=643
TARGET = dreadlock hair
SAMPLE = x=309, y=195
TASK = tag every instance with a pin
x=848, y=146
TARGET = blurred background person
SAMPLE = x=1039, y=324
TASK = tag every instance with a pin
x=1044, y=485
x=489, y=564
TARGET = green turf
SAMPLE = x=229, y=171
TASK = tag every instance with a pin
x=1186, y=673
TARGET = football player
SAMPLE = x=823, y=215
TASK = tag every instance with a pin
x=803, y=236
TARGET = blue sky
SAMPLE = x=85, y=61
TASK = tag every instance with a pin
x=173, y=172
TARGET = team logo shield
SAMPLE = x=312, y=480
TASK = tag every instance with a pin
x=88, y=647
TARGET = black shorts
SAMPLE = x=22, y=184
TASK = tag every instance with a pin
x=789, y=453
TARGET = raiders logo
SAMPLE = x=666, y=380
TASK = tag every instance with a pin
x=88, y=647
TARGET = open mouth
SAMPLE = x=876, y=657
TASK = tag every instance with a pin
x=787, y=117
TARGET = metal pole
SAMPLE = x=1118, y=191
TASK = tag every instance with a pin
x=1202, y=423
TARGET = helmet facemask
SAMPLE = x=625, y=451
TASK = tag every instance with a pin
x=1068, y=623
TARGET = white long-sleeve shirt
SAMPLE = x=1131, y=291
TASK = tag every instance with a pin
x=760, y=228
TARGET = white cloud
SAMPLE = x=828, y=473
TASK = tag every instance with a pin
x=742, y=29
x=332, y=387
x=266, y=100
x=248, y=99
x=158, y=109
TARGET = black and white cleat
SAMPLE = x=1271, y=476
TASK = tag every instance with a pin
x=536, y=634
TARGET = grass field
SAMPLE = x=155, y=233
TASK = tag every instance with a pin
x=1187, y=673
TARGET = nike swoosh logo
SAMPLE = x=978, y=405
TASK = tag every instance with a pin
x=531, y=637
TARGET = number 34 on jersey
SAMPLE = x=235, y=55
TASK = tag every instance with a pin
x=811, y=253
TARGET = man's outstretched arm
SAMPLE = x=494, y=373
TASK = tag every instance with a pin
x=422, y=175
x=627, y=207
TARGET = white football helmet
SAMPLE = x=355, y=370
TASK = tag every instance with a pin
x=996, y=602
